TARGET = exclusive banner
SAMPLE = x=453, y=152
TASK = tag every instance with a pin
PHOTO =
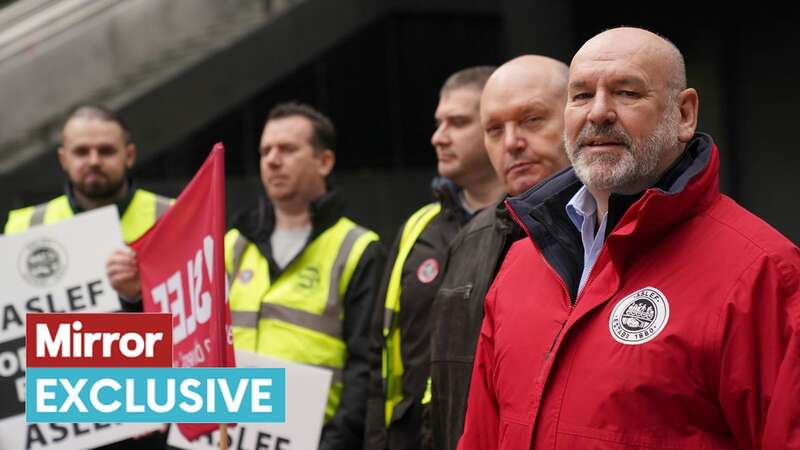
x=94, y=368
x=65, y=382
x=167, y=395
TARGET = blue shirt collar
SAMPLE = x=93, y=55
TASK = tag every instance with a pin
x=580, y=206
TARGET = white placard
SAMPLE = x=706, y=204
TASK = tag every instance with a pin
x=306, y=396
x=53, y=268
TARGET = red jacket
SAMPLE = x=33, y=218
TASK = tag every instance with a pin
x=686, y=335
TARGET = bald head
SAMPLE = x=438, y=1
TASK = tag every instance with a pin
x=522, y=108
x=546, y=76
x=656, y=52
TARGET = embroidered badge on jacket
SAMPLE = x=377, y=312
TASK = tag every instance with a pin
x=639, y=317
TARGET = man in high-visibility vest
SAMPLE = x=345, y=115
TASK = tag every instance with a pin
x=303, y=276
x=467, y=183
x=96, y=154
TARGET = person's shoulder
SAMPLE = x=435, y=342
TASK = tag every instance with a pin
x=428, y=209
x=435, y=223
x=359, y=231
x=18, y=219
x=753, y=241
x=233, y=235
x=485, y=218
x=484, y=225
x=521, y=248
x=8, y=216
x=31, y=207
x=741, y=228
x=156, y=196
x=517, y=261
x=362, y=240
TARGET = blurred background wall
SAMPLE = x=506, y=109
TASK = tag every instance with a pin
x=188, y=73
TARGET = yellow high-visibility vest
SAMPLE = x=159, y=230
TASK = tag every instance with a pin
x=392, y=360
x=297, y=317
x=142, y=213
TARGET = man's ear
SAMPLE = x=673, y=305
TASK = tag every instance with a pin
x=327, y=160
x=130, y=155
x=688, y=104
x=61, y=155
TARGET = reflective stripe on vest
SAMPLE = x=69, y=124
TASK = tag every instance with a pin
x=142, y=212
x=392, y=360
x=426, y=398
x=298, y=316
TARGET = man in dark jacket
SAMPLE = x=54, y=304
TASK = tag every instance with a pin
x=522, y=116
x=401, y=326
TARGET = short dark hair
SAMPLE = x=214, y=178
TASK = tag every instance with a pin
x=324, y=133
x=103, y=113
x=470, y=77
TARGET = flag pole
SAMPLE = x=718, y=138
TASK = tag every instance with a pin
x=221, y=349
x=223, y=436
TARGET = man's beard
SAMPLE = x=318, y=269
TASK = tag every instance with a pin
x=635, y=168
x=100, y=191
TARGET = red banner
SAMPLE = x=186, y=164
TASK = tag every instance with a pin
x=182, y=270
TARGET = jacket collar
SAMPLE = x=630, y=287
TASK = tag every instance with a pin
x=688, y=188
x=545, y=196
x=541, y=213
x=636, y=222
x=257, y=223
x=449, y=196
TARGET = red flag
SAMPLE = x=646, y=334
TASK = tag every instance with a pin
x=182, y=271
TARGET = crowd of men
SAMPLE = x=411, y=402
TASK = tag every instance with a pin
x=579, y=282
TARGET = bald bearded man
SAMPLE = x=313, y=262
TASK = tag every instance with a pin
x=645, y=310
x=522, y=110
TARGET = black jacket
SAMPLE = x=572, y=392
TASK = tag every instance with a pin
x=422, y=274
x=473, y=260
x=345, y=430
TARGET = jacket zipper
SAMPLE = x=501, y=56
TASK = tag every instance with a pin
x=561, y=282
x=552, y=270
x=555, y=339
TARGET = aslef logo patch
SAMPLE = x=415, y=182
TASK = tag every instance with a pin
x=639, y=317
x=42, y=262
x=428, y=270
